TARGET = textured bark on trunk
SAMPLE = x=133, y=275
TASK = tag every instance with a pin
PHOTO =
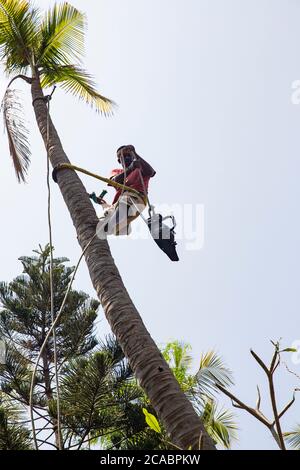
x=173, y=409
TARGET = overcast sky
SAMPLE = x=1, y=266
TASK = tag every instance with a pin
x=204, y=92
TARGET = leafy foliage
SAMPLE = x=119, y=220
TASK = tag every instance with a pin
x=17, y=132
x=77, y=81
x=19, y=30
x=26, y=315
x=13, y=435
x=219, y=423
x=178, y=357
x=201, y=390
x=61, y=36
x=211, y=372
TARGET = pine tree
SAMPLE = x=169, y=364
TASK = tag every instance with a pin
x=90, y=373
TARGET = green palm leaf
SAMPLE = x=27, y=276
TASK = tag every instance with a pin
x=219, y=424
x=62, y=36
x=17, y=133
x=293, y=438
x=177, y=355
x=19, y=25
x=78, y=82
x=212, y=372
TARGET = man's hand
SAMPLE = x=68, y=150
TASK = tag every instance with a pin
x=135, y=164
x=118, y=178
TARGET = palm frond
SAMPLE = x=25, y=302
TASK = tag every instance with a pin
x=62, y=35
x=219, y=423
x=177, y=354
x=293, y=438
x=78, y=82
x=212, y=371
x=17, y=133
x=19, y=26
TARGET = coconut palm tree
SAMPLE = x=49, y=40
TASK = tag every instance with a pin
x=44, y=51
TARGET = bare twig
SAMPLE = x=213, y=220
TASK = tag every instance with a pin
x=258, y=399
x=291, y=371
x=288, y=405
x=260, y=362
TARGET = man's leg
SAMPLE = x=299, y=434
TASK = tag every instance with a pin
x=117, y=218
x=134, y=206
x=102, y=227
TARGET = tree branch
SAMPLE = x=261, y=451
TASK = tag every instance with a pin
x=257, y=414
x=287, y=406
x=260, y=362
x=275, y=411
x=23, y=77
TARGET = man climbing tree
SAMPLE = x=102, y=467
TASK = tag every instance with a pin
x=126, y=206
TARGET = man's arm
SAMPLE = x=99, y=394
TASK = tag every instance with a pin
x=119, y=178
x=144, y=166
x=138, y=162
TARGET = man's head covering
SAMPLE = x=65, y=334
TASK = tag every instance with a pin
x=128, y=147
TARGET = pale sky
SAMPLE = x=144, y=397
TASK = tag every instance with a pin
x=204, y=92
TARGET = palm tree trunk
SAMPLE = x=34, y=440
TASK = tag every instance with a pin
x=151, y=370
